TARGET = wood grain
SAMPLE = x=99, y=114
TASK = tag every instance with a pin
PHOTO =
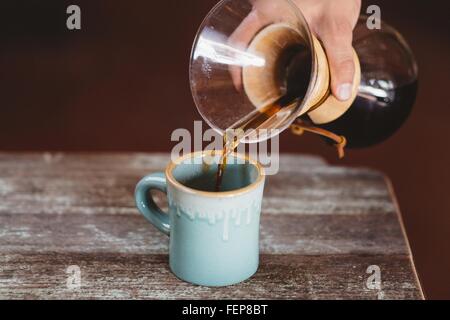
x=122, y=233
x=321, y=228
x=147, y=276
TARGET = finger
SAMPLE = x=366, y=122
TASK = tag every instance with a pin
x=240, y=39
x=337, y=40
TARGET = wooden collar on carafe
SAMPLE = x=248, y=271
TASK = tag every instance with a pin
x=262, y=86
x=322, y=107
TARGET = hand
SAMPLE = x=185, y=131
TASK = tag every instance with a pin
x=332, y=21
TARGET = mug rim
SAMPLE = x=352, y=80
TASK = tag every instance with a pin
x=174, y=163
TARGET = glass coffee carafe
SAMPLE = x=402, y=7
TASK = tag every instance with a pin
x=277, y=77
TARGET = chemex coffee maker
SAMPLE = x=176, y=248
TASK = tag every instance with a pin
x=279, y=77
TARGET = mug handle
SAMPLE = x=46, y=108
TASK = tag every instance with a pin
x=146, y=204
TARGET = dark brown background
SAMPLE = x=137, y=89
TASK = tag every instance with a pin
x=121, y=83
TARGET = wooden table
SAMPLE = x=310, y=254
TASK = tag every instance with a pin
x=323, y=229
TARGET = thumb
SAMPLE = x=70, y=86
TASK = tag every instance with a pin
x=337, y=42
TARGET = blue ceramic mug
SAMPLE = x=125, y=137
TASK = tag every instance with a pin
x=214, y=236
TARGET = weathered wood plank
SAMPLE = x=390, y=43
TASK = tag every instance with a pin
x=131, y=276
x=291, y=234
x=87, y=186
x=328, y=190
x=321, y=227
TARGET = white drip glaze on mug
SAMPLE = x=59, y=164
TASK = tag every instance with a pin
x=213, y=217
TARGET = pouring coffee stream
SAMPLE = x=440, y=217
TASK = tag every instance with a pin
x=289, y=78
x=286, y=81
x=233, y=136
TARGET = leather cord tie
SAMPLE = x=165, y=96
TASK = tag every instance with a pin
x=299, y=128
